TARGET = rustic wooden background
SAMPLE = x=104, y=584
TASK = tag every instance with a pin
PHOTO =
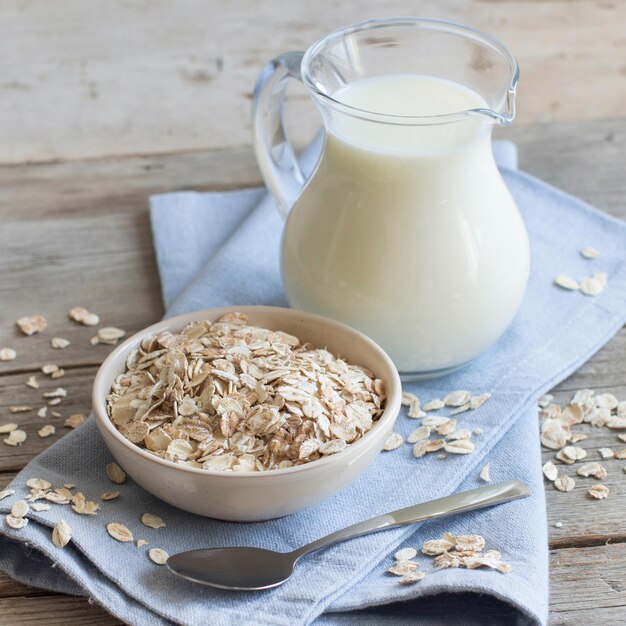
x=103, y=103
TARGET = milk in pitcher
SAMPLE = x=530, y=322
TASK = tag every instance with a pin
x=403, y=231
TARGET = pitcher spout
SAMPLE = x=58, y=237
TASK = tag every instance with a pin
x=506, y=115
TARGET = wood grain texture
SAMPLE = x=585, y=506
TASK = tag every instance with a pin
x=588, y=586
x=119, y=77
x=53, y=611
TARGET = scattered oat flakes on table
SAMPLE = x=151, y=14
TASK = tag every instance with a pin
x=550, y=471
x=16, y=437
x=599, y=492
x=83, y=316
x=46, y=431
x=32, y=382
x=7, y=354
x=74, y=421
x=592, y=469
x=571, y=454
x=59, y=343
x=31, y=324
x=20, y=409
x=110, y=335
x=7, y=428
x=564, y=483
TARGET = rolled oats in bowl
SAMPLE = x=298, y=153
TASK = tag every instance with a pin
x=228, y=396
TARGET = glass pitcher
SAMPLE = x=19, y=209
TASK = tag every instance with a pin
x=405, y=230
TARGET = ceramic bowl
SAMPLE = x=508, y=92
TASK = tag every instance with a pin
x=254, y=496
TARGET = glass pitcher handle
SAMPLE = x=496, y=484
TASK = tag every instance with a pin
x=274, y=154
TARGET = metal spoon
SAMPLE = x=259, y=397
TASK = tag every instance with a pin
x=255, y=568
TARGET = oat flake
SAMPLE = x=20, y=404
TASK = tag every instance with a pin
x=46, y=431
x=566, y=282
x=393, y=441
x=564, y=483
x=61, y=534
x=74, y=421
x=115, y=473
x=406, y=554
x=411, y=577
x=152, y=521
x=7, y=354
x=599, y=492
x=119, y=532
x=484, y=473
x=19, y=508
x=158, y=556
x=401, y=568
x=434, y=405
x=32, y=324
x=16, y=522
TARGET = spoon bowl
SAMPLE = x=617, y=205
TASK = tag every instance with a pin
x=246, y=569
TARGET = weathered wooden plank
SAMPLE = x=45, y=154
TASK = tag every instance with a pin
x=10, y=588
x=122, y=185
x=588, y=586
x=13, y=392
x=53, y=611
x=583, y=158
x=121, y=77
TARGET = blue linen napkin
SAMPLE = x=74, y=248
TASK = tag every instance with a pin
x=554, y=332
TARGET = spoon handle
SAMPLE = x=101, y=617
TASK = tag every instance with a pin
x=457, y=503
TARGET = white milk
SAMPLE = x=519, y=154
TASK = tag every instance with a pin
x=408, y=233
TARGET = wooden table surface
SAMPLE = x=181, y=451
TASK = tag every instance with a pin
x=104, y=103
